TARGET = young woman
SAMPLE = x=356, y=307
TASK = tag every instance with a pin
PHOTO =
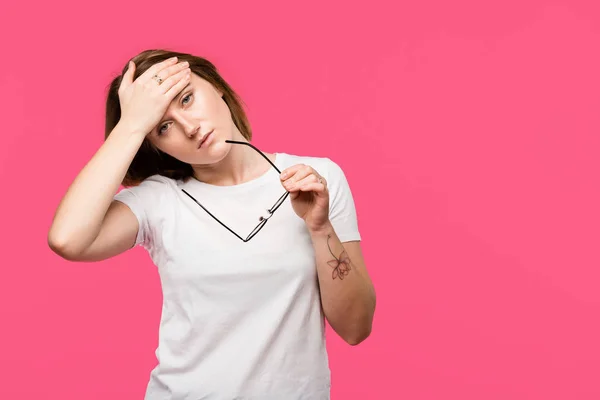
x=253, y=249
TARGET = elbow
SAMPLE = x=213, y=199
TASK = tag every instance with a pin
x=358, y=332
x=358, y=337
x=61, y=247
x=55, y=244
x=361, y=326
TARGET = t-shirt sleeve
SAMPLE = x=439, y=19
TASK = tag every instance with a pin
x=129, y=197
x=342, y=211
x=141, y=200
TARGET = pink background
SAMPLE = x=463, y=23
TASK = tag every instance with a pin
x=468, y=131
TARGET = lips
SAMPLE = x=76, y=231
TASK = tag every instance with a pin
x=204, y=139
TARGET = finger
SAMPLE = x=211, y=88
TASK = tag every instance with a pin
x=294, y=184
x=313, y=187
x=172, y=71
x=156, y=68
x=288, y=172
x=127, y=76
x=300, y=173
x=177, y=83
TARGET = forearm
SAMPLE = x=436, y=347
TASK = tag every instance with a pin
x=347, y=293
x=79, y=215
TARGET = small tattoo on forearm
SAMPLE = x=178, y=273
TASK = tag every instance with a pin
x=341, y=265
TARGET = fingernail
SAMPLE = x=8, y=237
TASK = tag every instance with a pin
x=283, y=175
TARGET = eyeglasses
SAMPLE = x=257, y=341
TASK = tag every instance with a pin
x=263, y=220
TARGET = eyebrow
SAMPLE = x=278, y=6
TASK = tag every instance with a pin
x=182, y=91
x=176, y=99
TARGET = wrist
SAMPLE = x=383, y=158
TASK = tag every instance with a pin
x=130, y=129
x=323, y=230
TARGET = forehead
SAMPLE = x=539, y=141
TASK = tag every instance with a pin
x=195, y=82
x=199, y=82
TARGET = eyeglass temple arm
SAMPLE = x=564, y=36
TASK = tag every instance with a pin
x=215, y=218
x=254, y=147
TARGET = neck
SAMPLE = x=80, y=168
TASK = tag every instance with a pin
x=241, y=164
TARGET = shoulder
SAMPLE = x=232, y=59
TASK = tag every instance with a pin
x=150, y=201
x=149, y=192
x=154, y=184
x=323, y=165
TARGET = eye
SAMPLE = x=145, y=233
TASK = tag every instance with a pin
x=188, y=96
x=160, y=130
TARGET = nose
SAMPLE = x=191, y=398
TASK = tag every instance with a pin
x=190, y=129
x=187, y=124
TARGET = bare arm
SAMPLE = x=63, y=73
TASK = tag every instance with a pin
x=79, y=216
x=88, y=224
x=347, y=292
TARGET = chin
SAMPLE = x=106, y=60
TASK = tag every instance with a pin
x=210, y=155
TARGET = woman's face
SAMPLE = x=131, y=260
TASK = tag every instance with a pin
x=197, y=110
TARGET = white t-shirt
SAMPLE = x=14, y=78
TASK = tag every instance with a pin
x=240, y=320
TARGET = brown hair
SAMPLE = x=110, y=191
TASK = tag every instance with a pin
x=149, y=160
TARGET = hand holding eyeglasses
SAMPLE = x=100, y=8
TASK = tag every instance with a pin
x=306, y=189
x=308, y=193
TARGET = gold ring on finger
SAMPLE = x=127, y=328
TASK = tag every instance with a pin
x=157, y=79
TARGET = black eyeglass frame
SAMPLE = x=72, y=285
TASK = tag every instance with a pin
x=263, y=220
